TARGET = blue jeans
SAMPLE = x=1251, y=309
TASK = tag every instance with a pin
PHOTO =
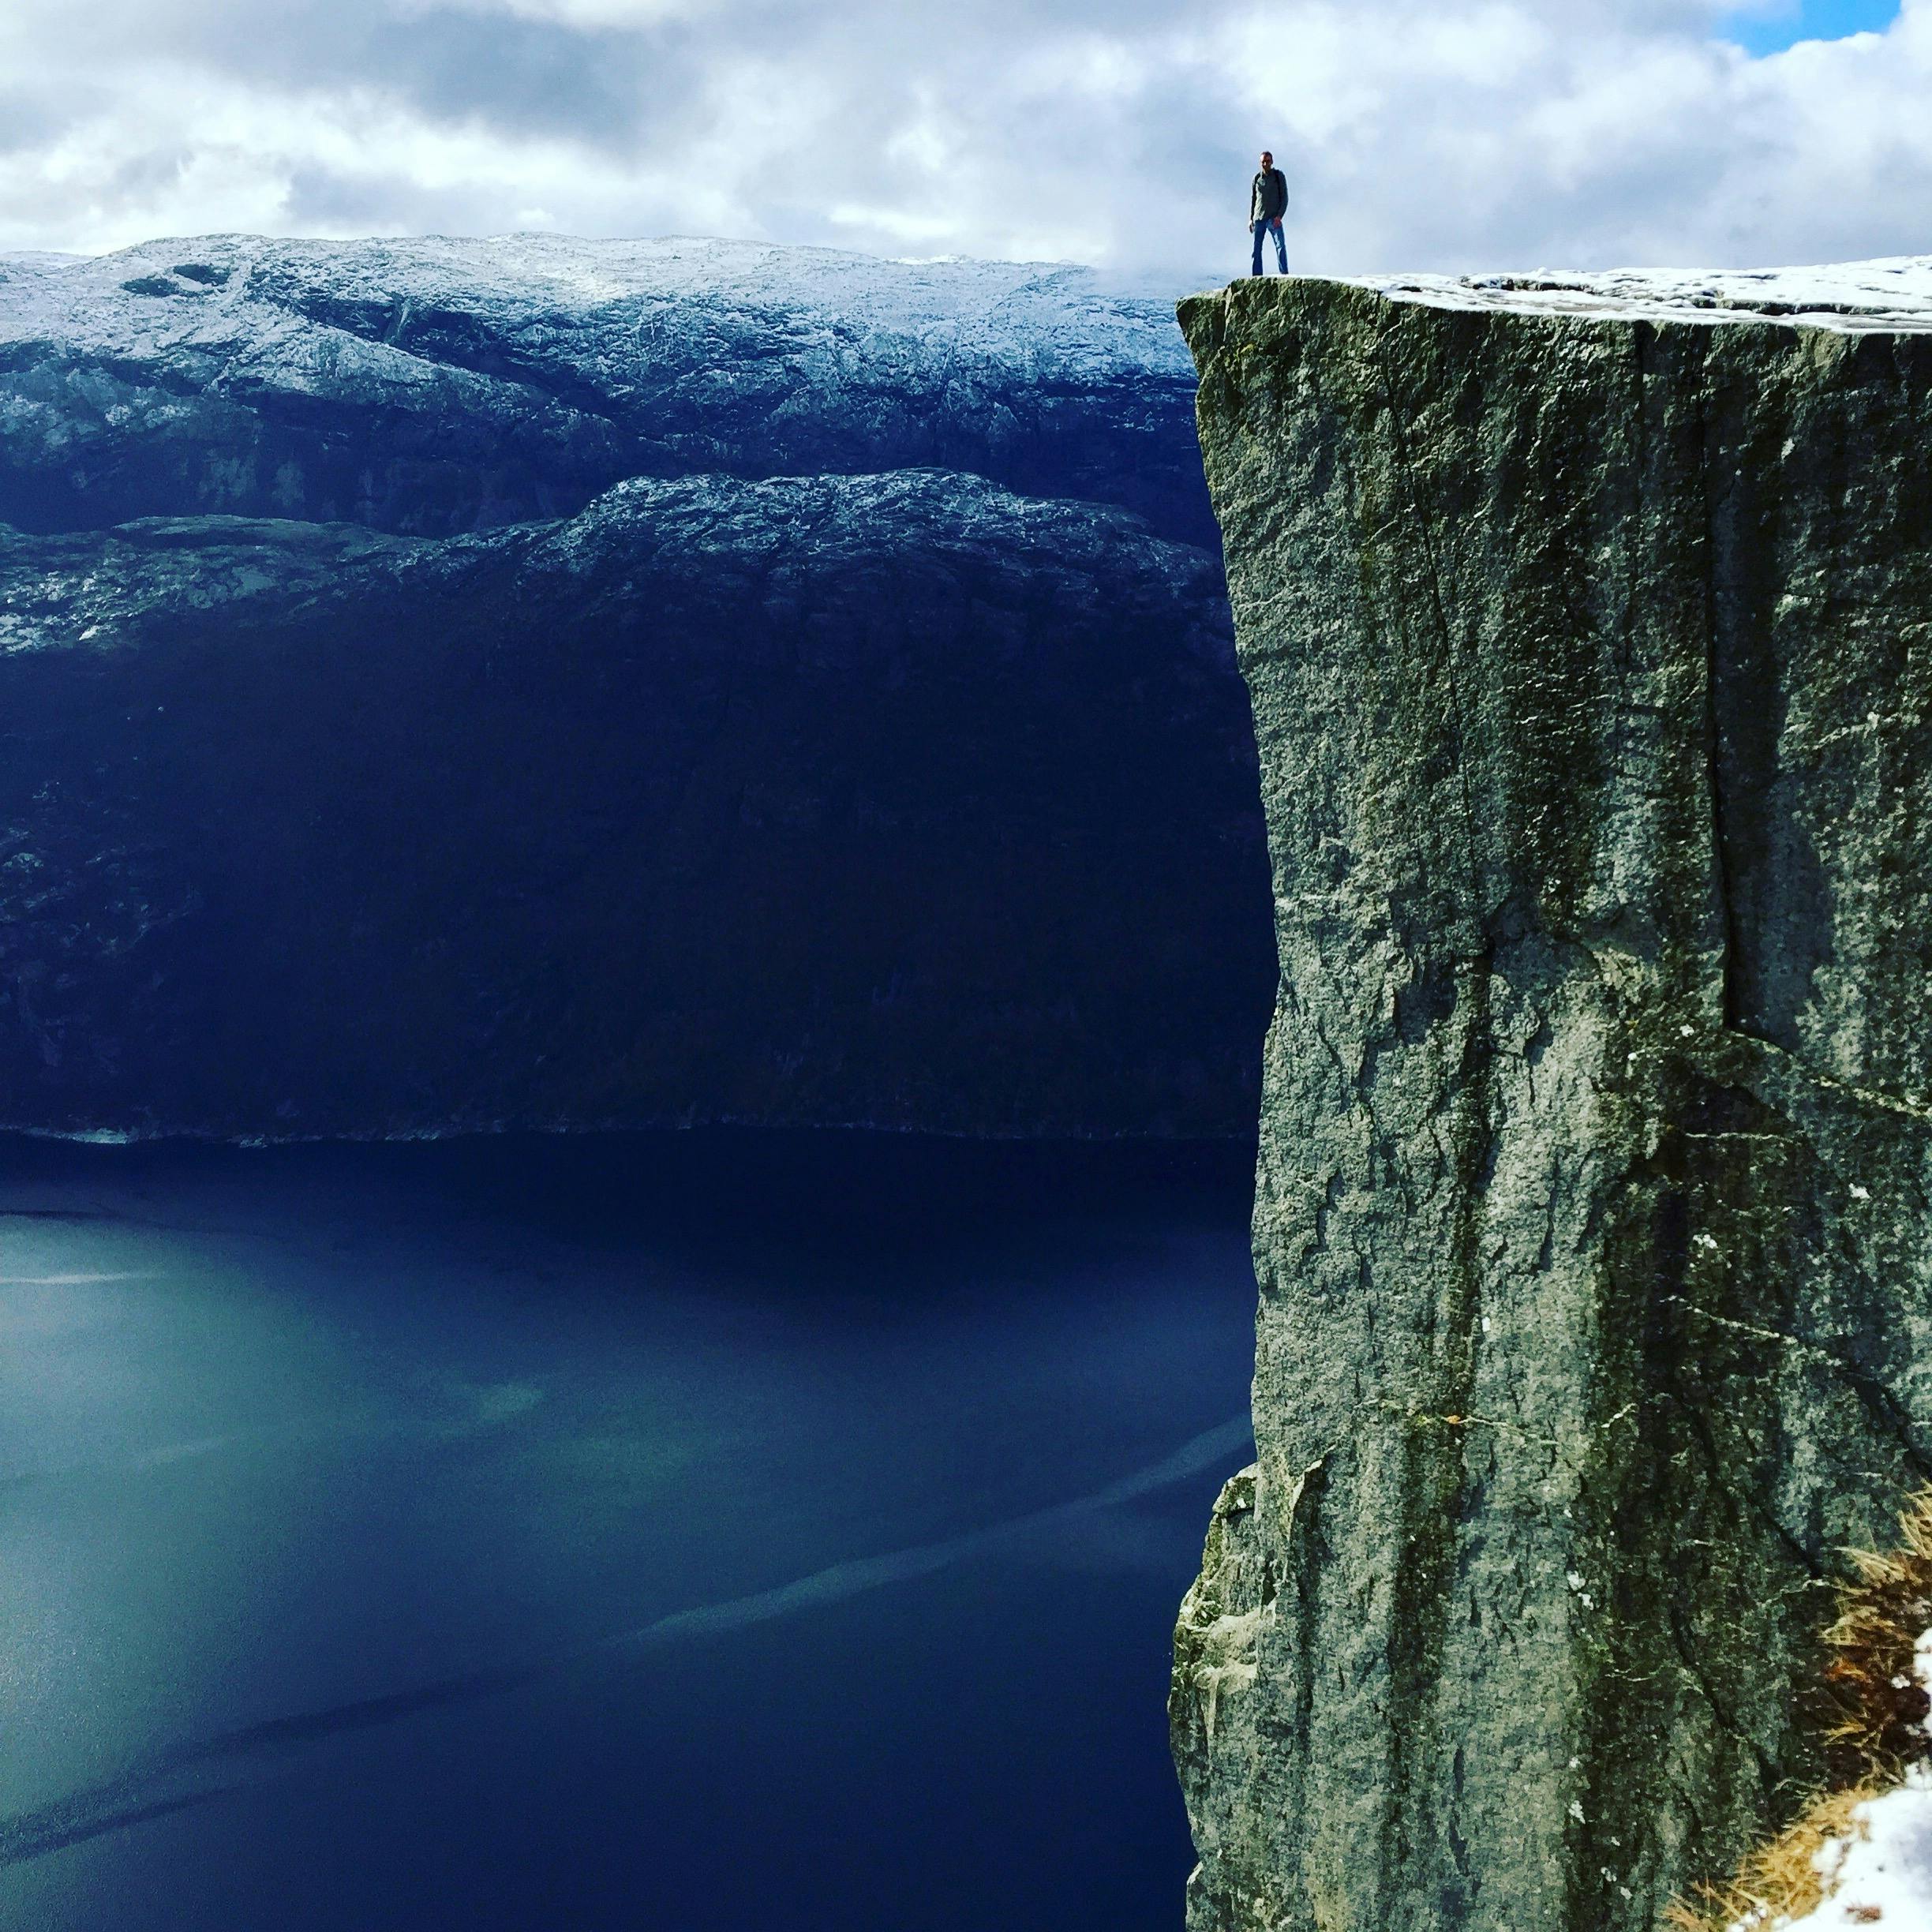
x=1281, y=247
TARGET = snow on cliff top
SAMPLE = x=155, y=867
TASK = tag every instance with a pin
x=208, y=292
x=1895, y=294
x=204, y=291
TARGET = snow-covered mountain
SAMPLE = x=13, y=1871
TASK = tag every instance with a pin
x=453, y=684
x=433, y=386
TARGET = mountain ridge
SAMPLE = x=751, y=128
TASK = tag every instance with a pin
x=435, y=385
x=433, y=754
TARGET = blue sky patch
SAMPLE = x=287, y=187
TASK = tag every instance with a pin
x=1770, y=28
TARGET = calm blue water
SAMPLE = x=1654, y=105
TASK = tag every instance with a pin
x=679, y=1532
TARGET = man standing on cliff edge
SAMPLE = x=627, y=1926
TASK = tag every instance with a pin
x=1268, y=201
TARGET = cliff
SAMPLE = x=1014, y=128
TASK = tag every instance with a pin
x=452, y=685
x=1589, y=625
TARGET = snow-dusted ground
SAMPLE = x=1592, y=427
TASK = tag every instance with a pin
x=1884, y=1876
x=1895, y=294
x=1054, y=319
x=1881, y=1873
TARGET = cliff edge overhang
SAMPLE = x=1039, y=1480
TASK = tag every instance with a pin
x=1588, y=622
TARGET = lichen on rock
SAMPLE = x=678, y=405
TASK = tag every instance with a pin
x=1588, y=629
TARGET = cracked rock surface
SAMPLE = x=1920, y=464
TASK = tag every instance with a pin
x=1589, y=635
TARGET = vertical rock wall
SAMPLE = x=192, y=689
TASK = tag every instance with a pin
x=1590, y=642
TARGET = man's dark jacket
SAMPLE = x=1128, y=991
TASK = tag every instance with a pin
x=1269, y=201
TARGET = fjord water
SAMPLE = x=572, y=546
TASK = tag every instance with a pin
x=686, y=1531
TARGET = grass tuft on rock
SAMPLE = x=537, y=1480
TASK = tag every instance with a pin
x=1873, y=1707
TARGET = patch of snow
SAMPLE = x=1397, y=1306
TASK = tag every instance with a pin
x=1894, y=293
x=1883, y=1876
x=1880, y=1874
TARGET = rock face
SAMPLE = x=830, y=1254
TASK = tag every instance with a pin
x=1588, y=627
x=916, y=797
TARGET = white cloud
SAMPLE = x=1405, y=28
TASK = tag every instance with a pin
x=1455, y=134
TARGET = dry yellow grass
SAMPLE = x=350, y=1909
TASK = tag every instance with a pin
x=1872, y=1712
x=1876, y=1706
x=1779, y=1881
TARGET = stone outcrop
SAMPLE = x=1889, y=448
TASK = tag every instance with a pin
x=1588, y=627
x=458, y=685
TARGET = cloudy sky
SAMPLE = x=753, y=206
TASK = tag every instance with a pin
x=1416, y=133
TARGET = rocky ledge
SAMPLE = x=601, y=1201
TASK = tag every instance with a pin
x=1589, y=625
